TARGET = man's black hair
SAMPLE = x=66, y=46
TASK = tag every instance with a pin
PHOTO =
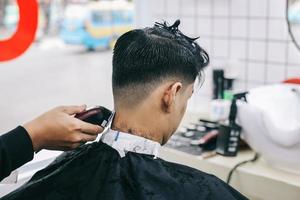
x=144, y=57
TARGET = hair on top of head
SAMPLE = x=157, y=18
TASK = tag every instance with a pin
x=144, y=57
x=173, y=29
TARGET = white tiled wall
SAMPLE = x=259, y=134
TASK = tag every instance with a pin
x=253, y=33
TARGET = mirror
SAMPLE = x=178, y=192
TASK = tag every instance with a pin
x=293, y=20
x=9, y=17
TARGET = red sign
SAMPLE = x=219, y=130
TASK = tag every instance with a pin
x=25, y=33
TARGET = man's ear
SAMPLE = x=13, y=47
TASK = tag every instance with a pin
x=170, y=95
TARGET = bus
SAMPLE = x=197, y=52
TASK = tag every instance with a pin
x=98, y=24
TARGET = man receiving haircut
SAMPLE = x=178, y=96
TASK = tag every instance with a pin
x=154, y=72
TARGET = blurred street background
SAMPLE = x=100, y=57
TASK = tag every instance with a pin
x=60, y=68
x=52, y=74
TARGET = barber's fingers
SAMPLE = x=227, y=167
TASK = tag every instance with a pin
x=86, y=137
x=72, y=146
x=89, y=128
x=71, y=110
x=77, y=140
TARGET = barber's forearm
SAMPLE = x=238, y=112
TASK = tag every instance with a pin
x=56, y=129
x=15, y=150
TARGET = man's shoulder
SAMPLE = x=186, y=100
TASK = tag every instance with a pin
x=185, y=170
x=200, y=181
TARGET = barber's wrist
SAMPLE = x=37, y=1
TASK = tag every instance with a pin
x=33, y=132
x=19, y=148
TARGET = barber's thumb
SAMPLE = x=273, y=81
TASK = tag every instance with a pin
x=71, y=110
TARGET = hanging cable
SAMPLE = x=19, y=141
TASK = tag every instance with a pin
x=256, y=156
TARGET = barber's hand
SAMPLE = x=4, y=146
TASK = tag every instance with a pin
x=57, y=129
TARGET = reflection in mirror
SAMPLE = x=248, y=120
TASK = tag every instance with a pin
x=293, y=20
x=9, y=17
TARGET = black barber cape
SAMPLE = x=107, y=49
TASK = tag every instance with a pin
x=96, y=171
x=15, y=150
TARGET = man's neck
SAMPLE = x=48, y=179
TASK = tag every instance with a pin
x=138, y=123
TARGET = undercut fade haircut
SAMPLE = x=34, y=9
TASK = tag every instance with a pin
x=144, y=57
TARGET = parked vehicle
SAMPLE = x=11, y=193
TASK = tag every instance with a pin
x=97, y=24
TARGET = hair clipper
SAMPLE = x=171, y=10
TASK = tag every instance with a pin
x=98, y=115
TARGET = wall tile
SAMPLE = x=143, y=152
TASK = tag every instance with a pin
x=258, y=28
x=293, y=71
x=187, y=26
x=276, y=52
x=204, y=26
x=220, y=27
x=239, y=28
x=256, y=72
x=158, y=7
x=203, y=8
x=242, y=31
x=241, y=71
x=221, y=8
x=239, y=7
x=217, y=63
x=293, y=54
x=278, y=29
x=277, y=8
x=275, y=73
x=205, y=43
x=238, y=49
x=172, y=7
x=220, y=48
x=188, y=7
x=257, y=50
x=258, y=8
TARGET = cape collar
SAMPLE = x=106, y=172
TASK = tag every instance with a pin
x=125, y=142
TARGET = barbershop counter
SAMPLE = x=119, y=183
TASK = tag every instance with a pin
x=257, y=181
